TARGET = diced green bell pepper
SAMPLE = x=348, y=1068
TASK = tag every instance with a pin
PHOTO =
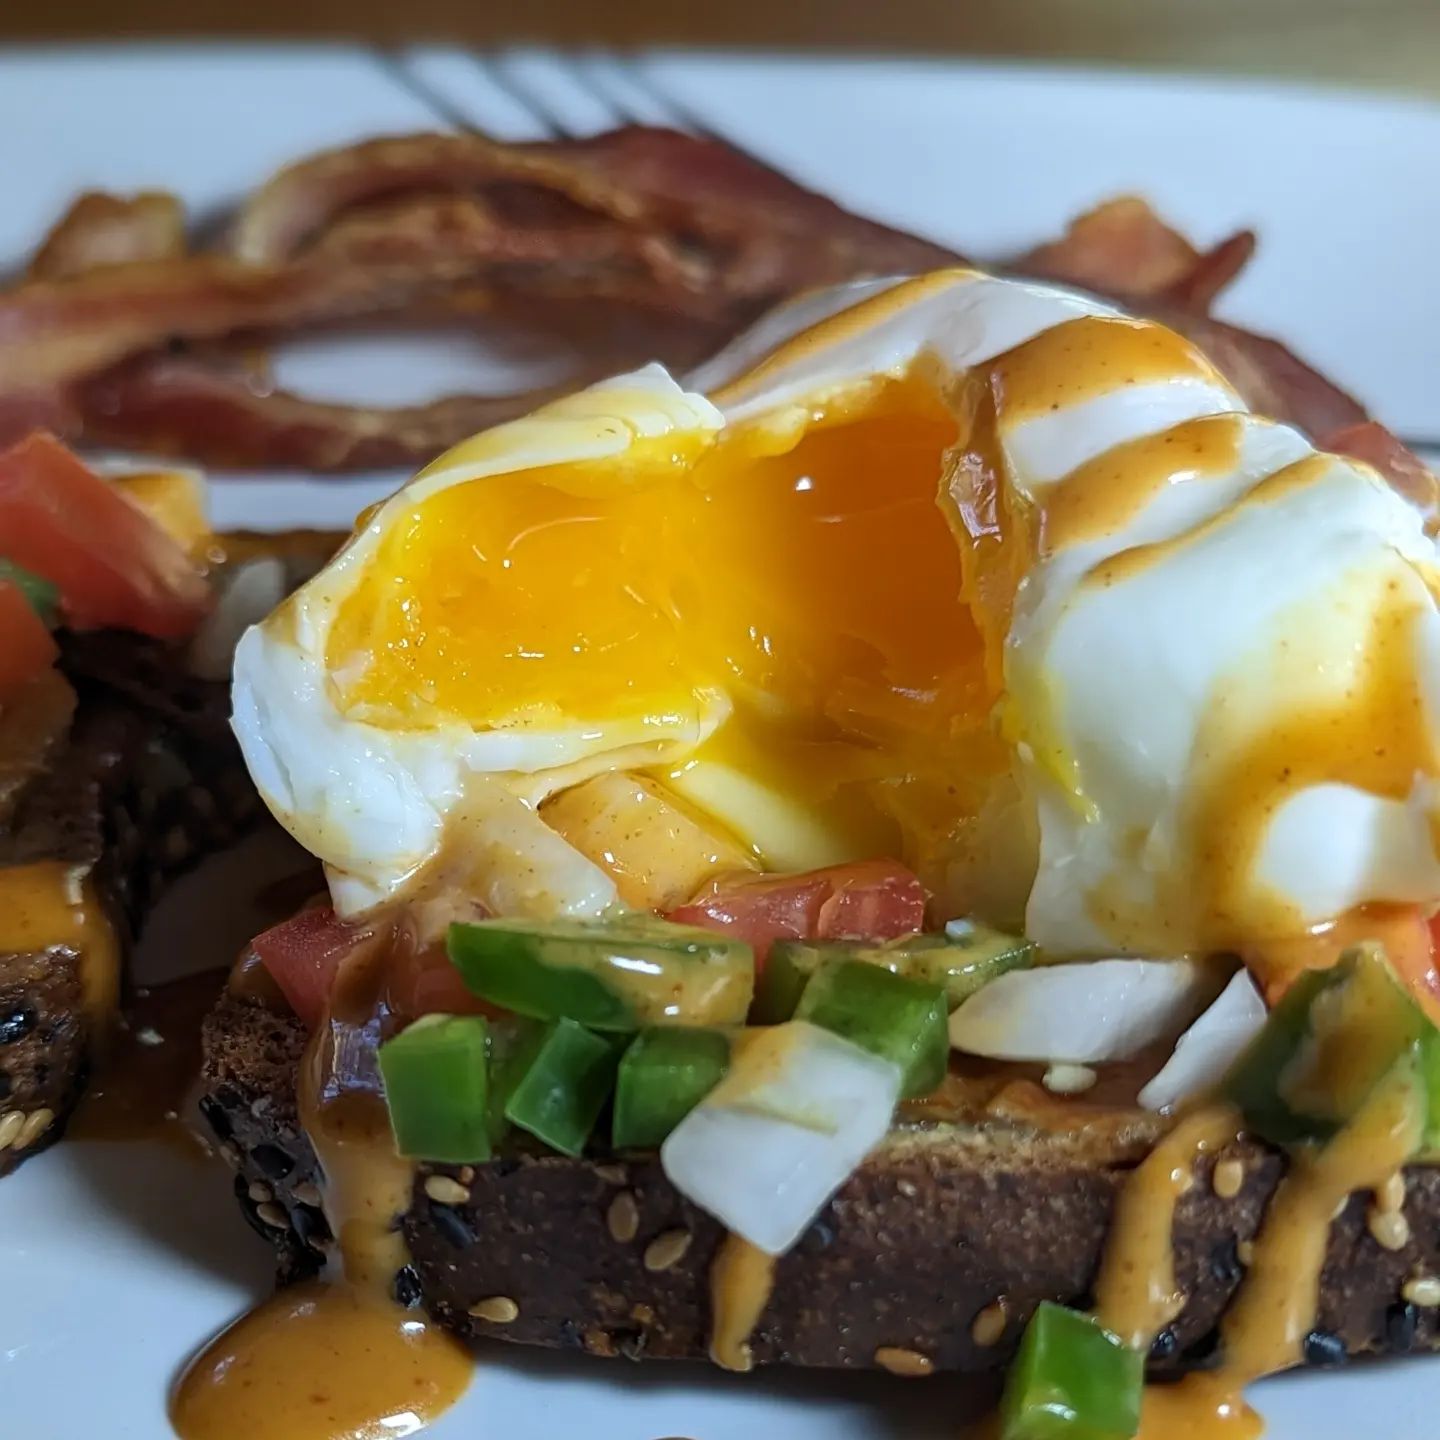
x=663, y=1076
x=1071, y=1380
x=42, y=596
x=609, y=975
x=899, y=1020
x=958, y=963
x=556, y=1082
x=437, y=1089
x=1325, y=1046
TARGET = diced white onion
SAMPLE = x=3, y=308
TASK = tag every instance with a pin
x=764, y=1151
x=1082, y=1013
x=1210, y=1046
x=247, y=596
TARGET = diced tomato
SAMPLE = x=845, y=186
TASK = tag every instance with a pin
x=422, y=981
x=1402, y=467
x=27, y=648
x=868, y=900
x=303, y=955
x=113, y=565
x=1409, y=940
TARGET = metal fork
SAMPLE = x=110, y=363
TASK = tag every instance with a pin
x=538, y=94
x=535, y=94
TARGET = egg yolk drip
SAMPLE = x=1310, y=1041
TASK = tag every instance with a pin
x=807, y=574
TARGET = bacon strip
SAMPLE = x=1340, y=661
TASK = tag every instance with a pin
x=117, y=334
x=100, y=229
x=1124, y=248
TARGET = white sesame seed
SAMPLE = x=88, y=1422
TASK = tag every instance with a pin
x=1422, y=1290
x=622, y=1218
x=260, y=1192
x=989, y=1325
x=307, y=1192
x=497, y=1309
x=445, y=1191
x=900, y=1361
x=667, y=1249
x=1390, y=1228
x=11, y=1125
x=1069, y=1079
x=36, y=1124
x=1228, y=1178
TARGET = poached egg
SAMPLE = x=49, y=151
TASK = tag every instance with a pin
x=981, y=575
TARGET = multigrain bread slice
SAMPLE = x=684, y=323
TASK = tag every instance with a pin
x=148, y=781
x=943, y=1232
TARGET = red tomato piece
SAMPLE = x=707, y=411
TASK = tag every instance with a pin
x=303, y=955
x=422, y=981
x=867, y=900
x=27, y=648
x=112, y=564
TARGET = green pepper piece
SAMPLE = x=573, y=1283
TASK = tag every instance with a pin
x=1071, y=1380
x=609, y=975
x=959, y=964
x=899, y=1020
x=559, y=1083
x=663, y=1076
x=436, y=1088
x=43, y=596
x=1328, y=1042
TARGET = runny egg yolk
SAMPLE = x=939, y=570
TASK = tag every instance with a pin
x=810, y=575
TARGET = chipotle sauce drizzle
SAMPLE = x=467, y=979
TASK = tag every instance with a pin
x=336, y=1358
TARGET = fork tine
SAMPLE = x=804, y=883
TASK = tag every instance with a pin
x=459, y=85
x=550, y=83
x=396, y=63
x=606, y=77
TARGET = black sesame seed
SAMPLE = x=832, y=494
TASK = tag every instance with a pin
x=16, y=1023
x=274, y=1161
x=215, y=1116
x=1205, y=1352
x=407, y=1287
x=6, y=1084
x=1402, y=1320
x=818, y=1237
x=1324, y=1347
x=1225, y=1263
x=1165, y=1344
x=570, y=1335
x=451, y=1224
x=310, y=1225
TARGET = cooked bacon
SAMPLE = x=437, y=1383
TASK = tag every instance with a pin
x=119, y=336
x=100, y=229
x=1124, y=248
x=770, y=236
x=1401, y=466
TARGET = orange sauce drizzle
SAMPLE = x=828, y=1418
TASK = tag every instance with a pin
x=50, y=904
x=1136, y=1295
x=1088, y=357
x=336, y=1358
x=742, y=1278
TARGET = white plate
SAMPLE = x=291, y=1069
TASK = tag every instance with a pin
x=116, y=1261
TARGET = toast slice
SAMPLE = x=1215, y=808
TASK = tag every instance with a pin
x=148, y=780
x=944, y=1233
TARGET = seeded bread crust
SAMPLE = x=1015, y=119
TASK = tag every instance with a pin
x=149, y=780
x=942, y=1224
